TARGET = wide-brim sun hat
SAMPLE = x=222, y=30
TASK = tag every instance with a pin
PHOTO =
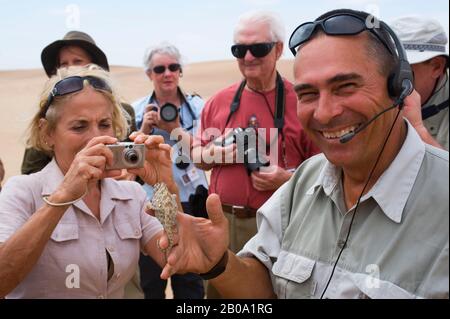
x=423, y=38
x=50, y=54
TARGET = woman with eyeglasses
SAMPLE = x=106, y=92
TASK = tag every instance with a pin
x=169, y=111
x=70, y=230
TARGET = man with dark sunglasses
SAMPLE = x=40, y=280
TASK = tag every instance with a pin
x=163, y=69
x=263, y=101
x=76, y=48
x=369, y=217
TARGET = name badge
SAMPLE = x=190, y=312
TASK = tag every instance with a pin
x=190, y=176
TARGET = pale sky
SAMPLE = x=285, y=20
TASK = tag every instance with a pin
x=201, y=29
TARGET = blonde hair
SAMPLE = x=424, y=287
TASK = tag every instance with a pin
x=35, y=136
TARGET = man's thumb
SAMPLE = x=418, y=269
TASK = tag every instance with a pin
x=214, y=208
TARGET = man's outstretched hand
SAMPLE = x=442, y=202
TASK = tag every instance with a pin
x=201, y=242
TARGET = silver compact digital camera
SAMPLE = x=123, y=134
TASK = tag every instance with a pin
x=127, y=155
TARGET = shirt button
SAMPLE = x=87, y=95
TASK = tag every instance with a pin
x=136, y=232
x=118, y=276
x=100, y=297
x=111, y=248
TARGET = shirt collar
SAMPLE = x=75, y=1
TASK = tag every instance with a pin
x=111, y=190
x=394, y=186
x=328, y=178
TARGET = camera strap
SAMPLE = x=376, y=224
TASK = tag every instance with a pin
x=434, y=109
x=280, y=106
x=280, y=103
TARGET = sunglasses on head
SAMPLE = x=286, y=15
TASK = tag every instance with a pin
x=74, y=84
x=258, y=50
x=342, y=24
x=174, y=67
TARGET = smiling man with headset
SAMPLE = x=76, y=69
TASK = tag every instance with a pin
x=368, y=218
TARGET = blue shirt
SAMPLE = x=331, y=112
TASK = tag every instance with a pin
x=189, y=120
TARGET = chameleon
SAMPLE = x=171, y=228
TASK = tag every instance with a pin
x=164, y=204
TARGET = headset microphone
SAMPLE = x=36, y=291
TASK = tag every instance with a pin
x=407, y=89
x=347, y=137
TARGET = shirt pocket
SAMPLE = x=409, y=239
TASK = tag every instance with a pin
x=373, y=288
x=127, y=227
x=128, y=230
x=59, y=251
x=64, y=233
x=292, y=276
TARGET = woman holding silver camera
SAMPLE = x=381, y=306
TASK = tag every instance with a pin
x=71, y=231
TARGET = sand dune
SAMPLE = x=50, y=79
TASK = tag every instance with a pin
x=20, y=90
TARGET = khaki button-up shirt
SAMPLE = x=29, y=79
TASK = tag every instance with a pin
x=398, y=244
x=74, y=261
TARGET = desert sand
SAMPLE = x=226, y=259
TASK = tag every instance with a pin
x=20, y=90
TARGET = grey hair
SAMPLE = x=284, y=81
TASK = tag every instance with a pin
x=273, y=20
x=162, y=48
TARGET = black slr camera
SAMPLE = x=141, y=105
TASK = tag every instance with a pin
x=246, y=141
x=168, y=112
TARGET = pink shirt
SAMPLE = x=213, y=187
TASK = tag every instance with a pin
x=80, y=240
x=232, y=182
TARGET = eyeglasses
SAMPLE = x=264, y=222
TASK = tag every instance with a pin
x=71, y=85
x=343, y=24
x=174, y=67
x=258, y=50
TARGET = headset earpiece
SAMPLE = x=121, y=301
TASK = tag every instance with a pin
x=400, y=80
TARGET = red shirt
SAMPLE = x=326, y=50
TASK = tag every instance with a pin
x=232, y=182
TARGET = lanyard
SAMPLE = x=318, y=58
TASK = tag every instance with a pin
x=280, y=106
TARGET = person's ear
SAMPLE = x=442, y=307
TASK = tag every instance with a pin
x=149, y=74
x=46, y=136
x=438, y=66
x=279, y=47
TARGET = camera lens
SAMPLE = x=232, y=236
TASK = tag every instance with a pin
x=131, y=156
x=169, y=112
